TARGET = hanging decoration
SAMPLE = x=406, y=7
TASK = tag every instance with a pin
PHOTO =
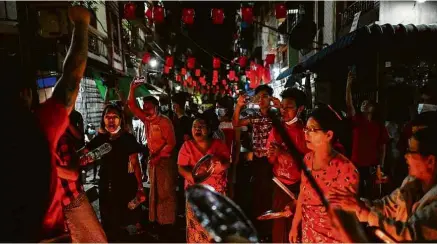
x=280, y=11
x=202, y=80
x=214, y=77
x=231, y=75
x=183, y=71
x=218, y=16
x=146, y=58
x=189, y=81
x=178, y=78
x=191, y=62
x=158, y=14
x=149, y=14
x=242, y=61
x=129, y=11
x=270, y=59
x=197, y=73
x=188, y=16
x=166, y=69
x=247, y=15
x=216, y=63
x=254, y=74
x=169, y=61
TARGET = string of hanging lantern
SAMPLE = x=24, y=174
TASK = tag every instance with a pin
x=255, y=72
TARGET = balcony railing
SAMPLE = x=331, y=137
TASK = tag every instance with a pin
x=97, y=45
x=347, y=16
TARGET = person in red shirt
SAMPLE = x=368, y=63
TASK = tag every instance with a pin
x=330, y=169
x=285, y=167
x=161, y=141
x=33, y=210
x=369, y=138
x=191, y=152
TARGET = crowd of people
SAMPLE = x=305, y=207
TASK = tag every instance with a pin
x=247, y=151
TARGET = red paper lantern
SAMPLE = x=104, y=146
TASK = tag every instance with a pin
x=191, y=62
x=281, y=11
x=183, y=71
x=188, y=16
x=218, y=16
x=247, y=14
x=149, y=14
x=270, y=59
x=169, y=61
x=242, y=61
x=129, y=11
x=224, y=82
x=189, y=81
x=202, y=80
x=197, y=73
x=146, y=58
x=216, y=63
x=231, y=75
x=158, y=14
x=166, y=70
x=215, y=74
x=178, y=78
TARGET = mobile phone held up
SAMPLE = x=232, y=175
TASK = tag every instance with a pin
x=140, y=80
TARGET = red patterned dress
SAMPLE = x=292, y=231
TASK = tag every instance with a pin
x=189, y=155
x=316, y=223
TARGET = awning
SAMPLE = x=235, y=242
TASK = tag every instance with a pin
x=285, y=74
x=406, y=40
x=124, y=85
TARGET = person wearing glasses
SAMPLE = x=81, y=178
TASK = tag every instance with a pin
x=285, y=167
x=409, y=213
x=330, y=169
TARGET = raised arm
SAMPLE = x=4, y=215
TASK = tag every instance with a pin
x=67, y=88
x=132, y=103
x=349, y=101
x=236, y=121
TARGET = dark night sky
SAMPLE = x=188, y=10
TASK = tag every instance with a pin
x=213, y=38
